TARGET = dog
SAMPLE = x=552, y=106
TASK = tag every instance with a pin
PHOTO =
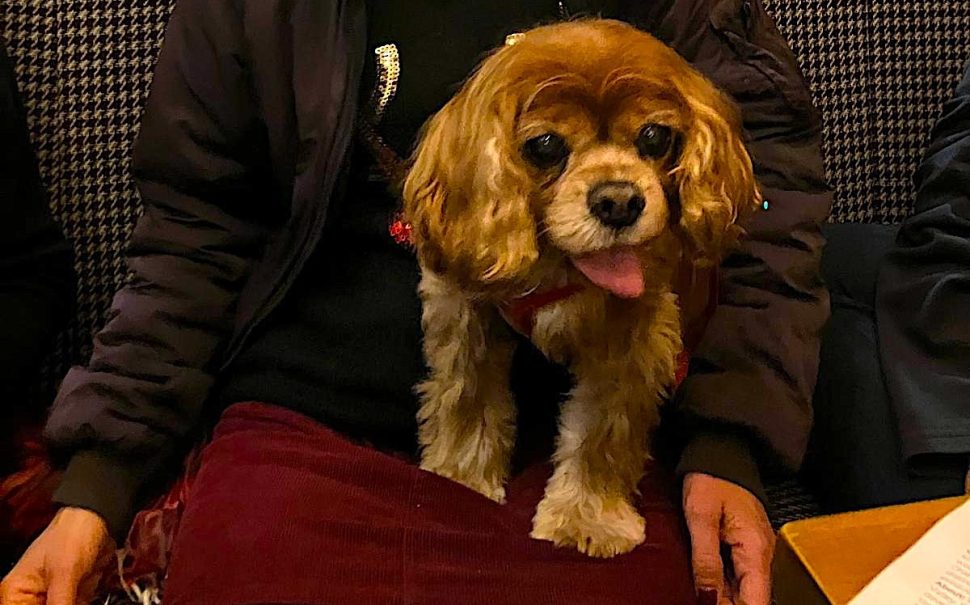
x=561, y=192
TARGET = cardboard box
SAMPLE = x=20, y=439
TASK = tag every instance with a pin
x=828, y=560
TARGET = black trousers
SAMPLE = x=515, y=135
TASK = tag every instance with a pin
x=855, y=460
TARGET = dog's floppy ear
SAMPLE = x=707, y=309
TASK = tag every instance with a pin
x=467, y=194
x=716, y=181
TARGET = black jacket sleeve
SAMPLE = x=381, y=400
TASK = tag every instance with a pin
x=37, y=281
x=750, y=385
x=124, y=414
x=923, y=300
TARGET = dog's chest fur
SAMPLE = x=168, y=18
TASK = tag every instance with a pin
x=591, y=323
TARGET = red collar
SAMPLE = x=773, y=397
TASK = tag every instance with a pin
x=521, y=312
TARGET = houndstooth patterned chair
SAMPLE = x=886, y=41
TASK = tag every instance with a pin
x=880, y=71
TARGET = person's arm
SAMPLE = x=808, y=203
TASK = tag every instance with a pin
x=922, y=299
x=37, y=280
x=196, y=163
x=750, y=387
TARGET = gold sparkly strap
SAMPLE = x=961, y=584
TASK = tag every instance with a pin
x=388, y=73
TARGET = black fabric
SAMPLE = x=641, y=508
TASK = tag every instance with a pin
x=924, y=298
x=36, y=273
x=856, y=459
x=725, y=454
x=344, y=346
x=37, y=281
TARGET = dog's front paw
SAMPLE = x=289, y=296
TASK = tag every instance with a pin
x=617, y=529
x=492, y=490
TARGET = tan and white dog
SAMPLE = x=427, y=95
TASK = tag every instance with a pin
x=586, y=163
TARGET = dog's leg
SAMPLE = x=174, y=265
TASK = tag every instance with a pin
x=599, y=460
x=603, y=443
x=467, y=415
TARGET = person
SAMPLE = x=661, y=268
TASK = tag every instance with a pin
x=266, y=289
x=891, y=419
x=37, y=281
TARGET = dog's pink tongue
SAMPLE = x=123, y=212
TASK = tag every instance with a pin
x=618, y=270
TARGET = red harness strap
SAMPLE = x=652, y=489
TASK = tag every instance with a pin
x=683, y=366
x=520, y=313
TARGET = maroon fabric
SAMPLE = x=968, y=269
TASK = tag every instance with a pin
x=25, y=495
x=284, y=510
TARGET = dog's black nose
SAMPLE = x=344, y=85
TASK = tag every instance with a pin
x=616, y=204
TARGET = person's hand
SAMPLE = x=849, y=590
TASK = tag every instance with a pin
x=63, y=566
x=720, y=512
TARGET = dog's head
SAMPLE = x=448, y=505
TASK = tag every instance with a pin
x=589, y=137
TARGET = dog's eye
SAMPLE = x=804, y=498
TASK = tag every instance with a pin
x=654, y=141
x=546, y=150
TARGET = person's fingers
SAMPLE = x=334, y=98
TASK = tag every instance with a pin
x=67, y=555
x=752, y=544
x=24, y=585
x=705, y=543
x=13, y=594
x=703, y=513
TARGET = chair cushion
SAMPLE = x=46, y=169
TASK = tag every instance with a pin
x=880, y=73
